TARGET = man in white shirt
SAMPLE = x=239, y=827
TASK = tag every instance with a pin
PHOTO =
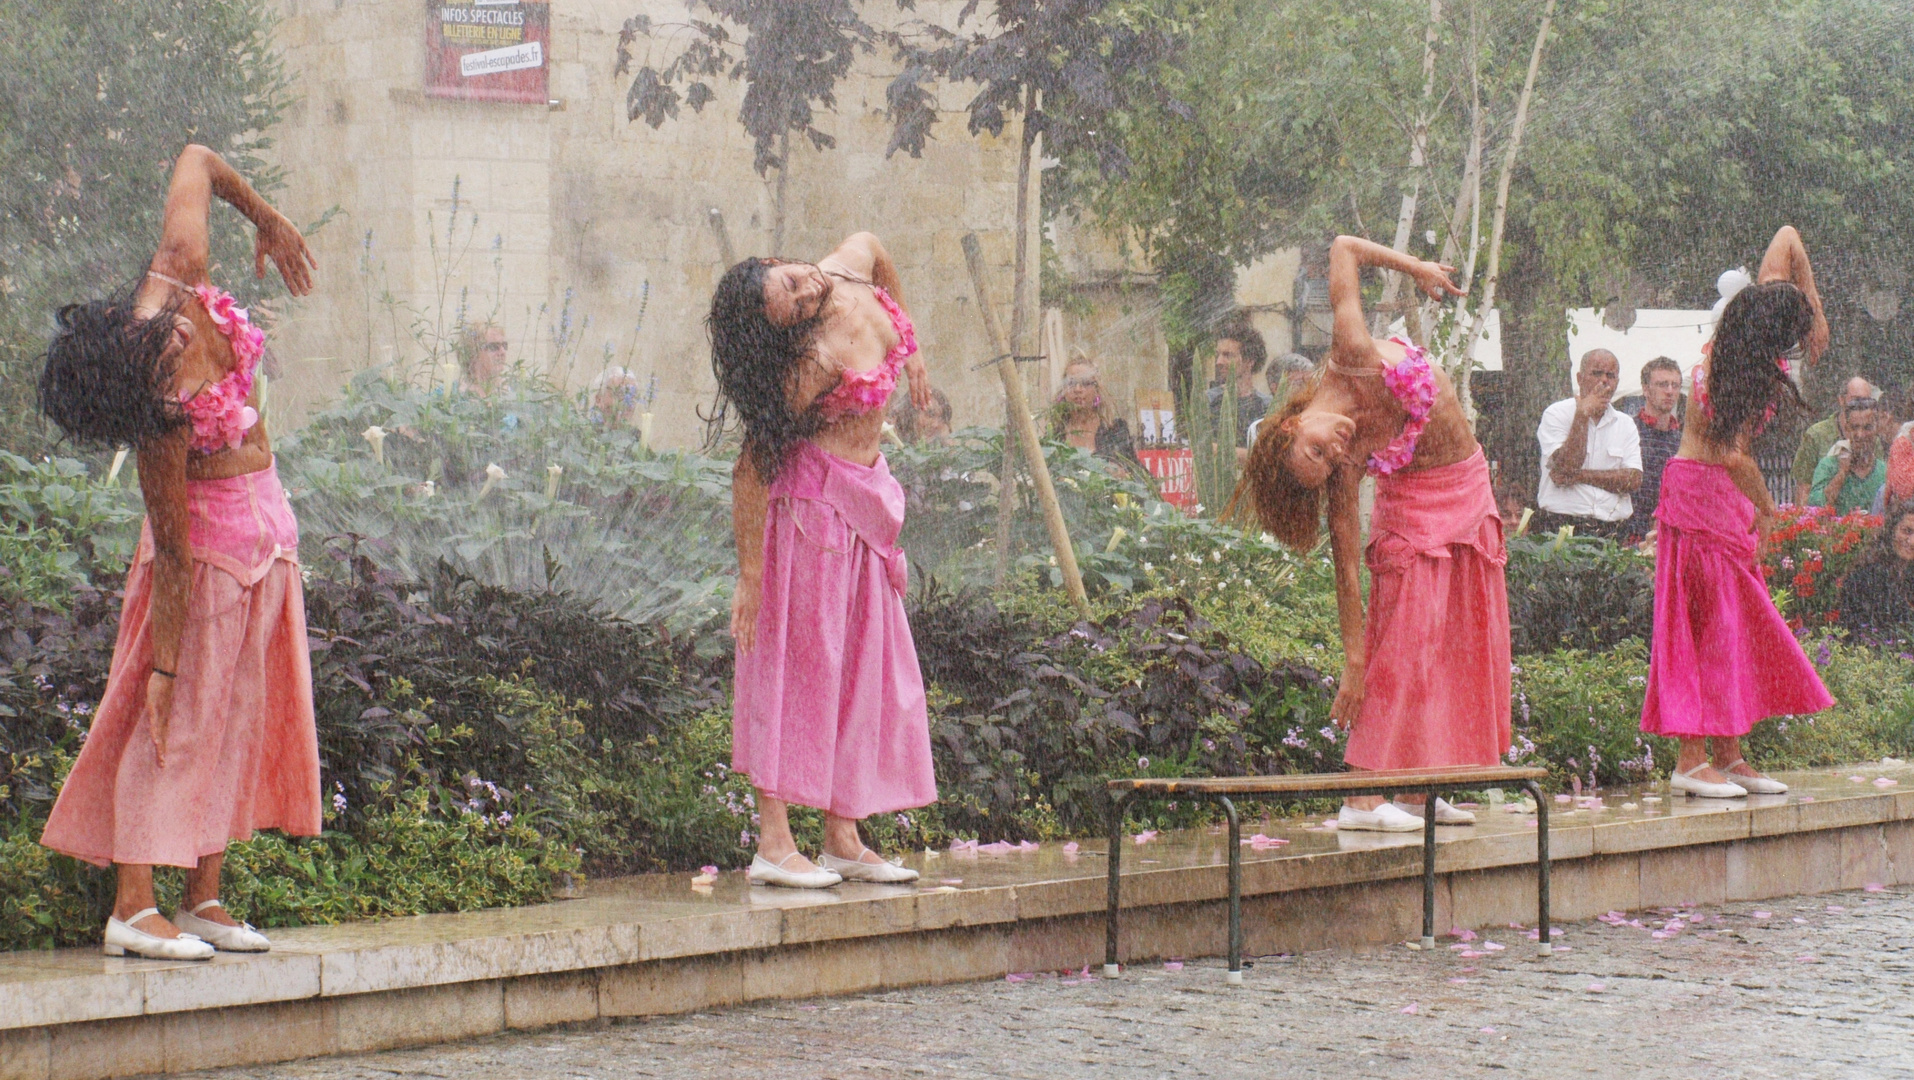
x=1591, y=456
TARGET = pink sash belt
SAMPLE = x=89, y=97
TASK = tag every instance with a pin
x=239, y=524
x=868, y=499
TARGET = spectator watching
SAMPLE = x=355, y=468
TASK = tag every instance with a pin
x=1240, y=357
x=1853, y=470
x=1591, y=456
x=1083, y=417
x=482, y=357
x=1658, y=424
x=1879, y=593
x=1823, y=434
x=929, y=425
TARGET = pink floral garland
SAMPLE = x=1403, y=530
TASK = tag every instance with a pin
x=1414, y=385
x=863, y=391
x=219, y=411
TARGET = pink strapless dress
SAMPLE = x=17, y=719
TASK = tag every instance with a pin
x=242, y=753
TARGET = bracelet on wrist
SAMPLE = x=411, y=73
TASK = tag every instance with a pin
x=157, y=670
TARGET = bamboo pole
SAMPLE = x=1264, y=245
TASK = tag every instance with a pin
x=1019, y=409
x=1487, y=303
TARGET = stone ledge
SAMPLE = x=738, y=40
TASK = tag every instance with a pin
x=658, y=944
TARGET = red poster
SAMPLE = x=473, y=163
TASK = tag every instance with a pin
x=1175, y=473
x=487, y=50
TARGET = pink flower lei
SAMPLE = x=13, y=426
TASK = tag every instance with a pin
x=219, y=412
x=1413, y=383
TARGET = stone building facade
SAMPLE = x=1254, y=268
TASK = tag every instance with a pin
x=563, y=222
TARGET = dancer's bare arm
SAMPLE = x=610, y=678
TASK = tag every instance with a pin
x=1345, y=548
x=1787, y=260
x=750, y=500
x=198, y=175
x=163, y=487
x=1746, y=475
x=1347, y=256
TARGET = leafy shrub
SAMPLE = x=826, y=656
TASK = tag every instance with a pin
x=1810, y=550
x=62, y=528
x=1579, y=593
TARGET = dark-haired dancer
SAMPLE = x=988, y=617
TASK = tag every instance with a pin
x=1426, y=678
x=205, y=732
x=829, y=699
x=1722, y=657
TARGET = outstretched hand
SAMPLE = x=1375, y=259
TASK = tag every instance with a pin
x=1433, y=279
x=279, y=240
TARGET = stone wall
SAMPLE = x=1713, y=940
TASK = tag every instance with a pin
x=567, y=215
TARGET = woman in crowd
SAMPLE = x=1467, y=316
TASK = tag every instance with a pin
x=1083, y=417
x=1426, y=676
x=1722, y=657
x=929, y=425
x=205, y=732
x=830, y=705
x=1879, y=593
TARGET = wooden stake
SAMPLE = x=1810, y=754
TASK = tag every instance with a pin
x=1026, y=432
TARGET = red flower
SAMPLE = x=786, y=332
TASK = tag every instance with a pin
x=1804, y=580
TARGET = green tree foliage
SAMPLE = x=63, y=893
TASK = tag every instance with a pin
x=96, y=100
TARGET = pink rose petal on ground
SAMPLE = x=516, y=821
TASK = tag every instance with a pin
x=1019, y=977
x=1026, y=846
x=1564, y=948
x=1487, y=1030
x=951, y=881
x=1661, y=935
x=1564, y=798
x=1874, y=886
x=1472, y=954
x=963, y=845
x=1457, y=982
x=1857, y=779
x=1461, y=934
x=1807, y=798
x=1596, y=988
x=1146, y=836
x=1408, y=1010
x=1493, y=946
x=1807, y=958
x=1457, y=946
x=1516, y=926
x=1799, y=919
x=1071, y=848
x=1530, y=823
x=712, y=870
x=1761, y=914
x=1173, y=965
x=1882, y=781
x=1835, y=909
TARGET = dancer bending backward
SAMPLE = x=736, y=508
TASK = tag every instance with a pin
x=205, y=732
x=829, y=705
x=1426, y=681
x=1722, y=657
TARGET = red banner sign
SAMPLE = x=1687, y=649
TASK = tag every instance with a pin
x=487, y=50
x=1175, y=473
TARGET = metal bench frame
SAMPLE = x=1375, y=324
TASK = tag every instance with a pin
x=1431, y=783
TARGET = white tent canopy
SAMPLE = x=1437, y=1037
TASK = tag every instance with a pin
x=1672, y=332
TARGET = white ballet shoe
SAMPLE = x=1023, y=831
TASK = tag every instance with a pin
x=1686, y=781
x=1756, y=785
x=241, y=938
x=765, y=872
x=122, y=938
x=1445, y=813
x=1385, y=818
x=883, y=873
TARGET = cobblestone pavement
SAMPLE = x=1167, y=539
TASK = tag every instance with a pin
x=1803, y=987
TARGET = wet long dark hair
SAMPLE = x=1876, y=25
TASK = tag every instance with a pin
x=1760, y=324
x=755, y=362
x=106, y=382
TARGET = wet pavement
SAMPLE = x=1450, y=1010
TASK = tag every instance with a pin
x=1806, y=987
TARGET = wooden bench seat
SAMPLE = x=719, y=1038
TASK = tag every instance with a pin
x=1225, y=790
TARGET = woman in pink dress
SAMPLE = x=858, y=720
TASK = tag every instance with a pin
x=1425, y=678
x=1722, y=657
x=829, y=701
x=205, y=732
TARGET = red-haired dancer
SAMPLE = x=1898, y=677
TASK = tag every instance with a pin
x=1426, y=676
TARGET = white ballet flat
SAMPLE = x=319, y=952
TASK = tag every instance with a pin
x=1445, y=813
x=1385, y=818
x=1756, y=785
x=241, y=938
x=1685, y=781
x=765, y=872
x=122, y=938
x=883, y=873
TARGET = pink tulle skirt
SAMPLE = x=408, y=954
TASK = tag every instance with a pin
x=1436, y=689
x=1722, y=658
x=241, y=753
x=830, y=708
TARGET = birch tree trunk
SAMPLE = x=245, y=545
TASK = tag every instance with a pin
x=1487, y=301
x=1418, y=161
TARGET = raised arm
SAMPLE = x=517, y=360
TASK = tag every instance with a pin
x=1787, y=260
x=198, y=175
x=1347, y=256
